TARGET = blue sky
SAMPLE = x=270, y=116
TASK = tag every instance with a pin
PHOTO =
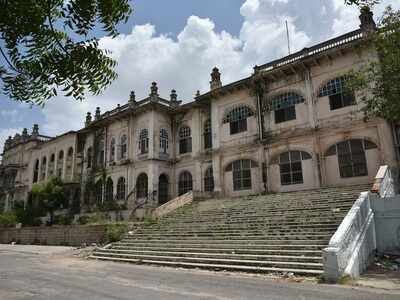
x=178, y=42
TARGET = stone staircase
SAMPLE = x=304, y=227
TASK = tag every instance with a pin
x=271, y=233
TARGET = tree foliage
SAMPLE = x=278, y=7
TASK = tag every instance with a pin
x=378, y=83
x=50, y=194
x=49, y=45
x=362, y=3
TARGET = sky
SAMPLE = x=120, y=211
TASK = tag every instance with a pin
x=177, y=43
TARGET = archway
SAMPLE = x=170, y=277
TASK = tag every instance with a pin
x=163, y=193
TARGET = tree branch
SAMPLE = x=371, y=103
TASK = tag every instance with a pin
x=8, y=61
x=53, y=30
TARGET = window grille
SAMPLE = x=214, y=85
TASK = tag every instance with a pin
x=339, y=97
x=121, y=189
x=164, y=143
x=237, y=119
x=185, y=183
x=185, y=140
x=209, y=180
x=144, y=141
x=124, y=147
x=142, y=186
x=207, y=135
x=290, y=165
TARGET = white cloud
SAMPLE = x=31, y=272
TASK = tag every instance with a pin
x=12, y=115
x=347, y=16
x=183, y=63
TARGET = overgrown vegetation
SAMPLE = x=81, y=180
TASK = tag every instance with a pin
x=115, y=232
x=377, y=83
x=8, y=219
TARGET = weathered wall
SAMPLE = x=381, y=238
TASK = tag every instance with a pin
x=387, y=223
x=56, y=235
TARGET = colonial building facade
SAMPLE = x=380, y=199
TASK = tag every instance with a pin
x=292, y=125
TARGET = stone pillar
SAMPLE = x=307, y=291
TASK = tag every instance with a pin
x=215, y=82
x=310, y=98
x=217, y=173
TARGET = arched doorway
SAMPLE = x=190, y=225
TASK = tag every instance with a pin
x=142, y=186
x=163, y=196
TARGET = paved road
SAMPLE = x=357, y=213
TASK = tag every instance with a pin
x=52, y=273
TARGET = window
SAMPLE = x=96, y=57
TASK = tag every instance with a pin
x=209, y=180
x=284, y=106
x=89, y=157
x=207, y=135
x=99, y=191
x=36, y=171
x=185, y=183
x=291, y=167
x=109, y=190
x=112, y=150
x=163, y=187
x=144, y=141
x=142, y=186
x=237, y=119
x=70, y=155
x=60, y=164
x=123, y=147
x=101, y=152
x=185, y=140
x=335, y=89
x=51, y=164
x=43, y=168
x=351, y=157
x=164, y=141
x=241, y=174
x=121, y=189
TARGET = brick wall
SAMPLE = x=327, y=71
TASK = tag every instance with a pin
x=74, y=235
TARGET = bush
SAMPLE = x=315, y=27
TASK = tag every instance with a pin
x=63, y=220
x=8, y=219
x=83, y=220
x=98, y=218
x=115, y=232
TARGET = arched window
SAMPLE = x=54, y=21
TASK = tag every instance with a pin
x=99, y=191
x=109, y=190
x=89, y=157
x=43, y=169
x=70, y=156
x=142, y=186
x=144, y=141
x=123, y=147
x=237, y=119
x=164, y=141
x=209, y=180
x=185, y=183
x=121, y=189
x=241, y=174
x=351, y=157
x=207, y=135
x=51, y=164
x=163, y=189
x=291, y=168
x=60, y=164
x=284, y=106
x=36, y=172
x=335, y=89
x=112, y=150
x=101, y=152
x=185, y=140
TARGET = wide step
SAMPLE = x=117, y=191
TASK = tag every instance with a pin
x=262, y=234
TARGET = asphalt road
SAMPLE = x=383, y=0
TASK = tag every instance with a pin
x=52, y=273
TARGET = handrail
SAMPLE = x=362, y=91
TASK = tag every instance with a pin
x=351, y=247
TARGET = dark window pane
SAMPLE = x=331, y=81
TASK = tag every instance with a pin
x=295, y=156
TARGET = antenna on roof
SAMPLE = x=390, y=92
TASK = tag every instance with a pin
x=287, y=35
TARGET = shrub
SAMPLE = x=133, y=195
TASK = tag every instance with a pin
x=83, y=220
x=8, y=219
x=98, y=218
x=115, y=232
x=63, y=220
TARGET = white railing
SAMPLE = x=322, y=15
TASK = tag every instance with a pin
x=351, y=248
x=173, y=205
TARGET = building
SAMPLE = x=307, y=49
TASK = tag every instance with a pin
x=291, y=125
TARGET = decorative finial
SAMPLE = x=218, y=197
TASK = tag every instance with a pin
x=132, y=99
x=367, y=23
x=35, y=130
x=174, y=96
x=98, y=114
x=198, y=93
x=88, y=119
x=25, y=133
x=154, y=92
x=215, y=79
